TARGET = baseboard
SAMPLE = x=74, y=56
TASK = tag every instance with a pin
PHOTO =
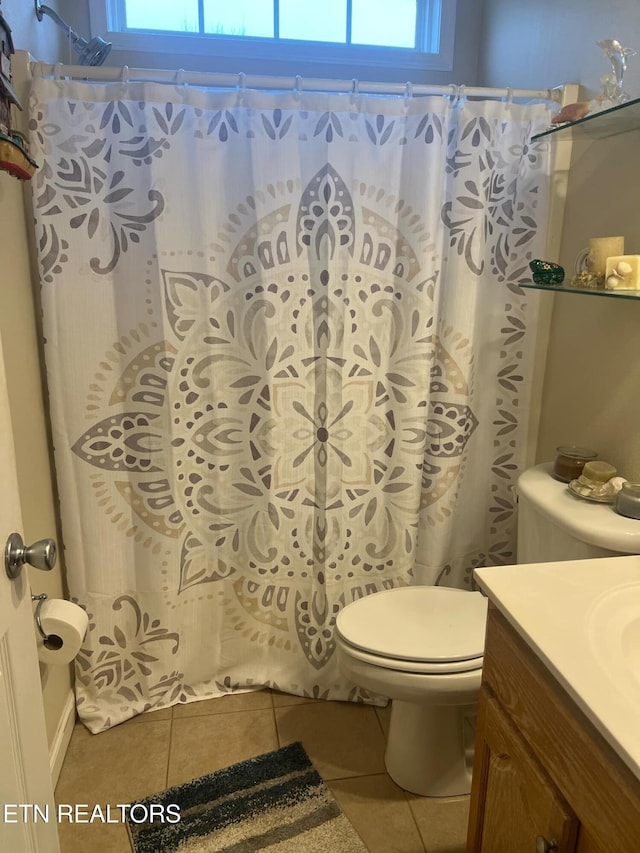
x=62, y=737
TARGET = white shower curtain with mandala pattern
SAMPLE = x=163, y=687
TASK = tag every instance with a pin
x=288, y=365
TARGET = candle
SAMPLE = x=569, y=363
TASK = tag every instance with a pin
x=570, y=461
x=601, y=248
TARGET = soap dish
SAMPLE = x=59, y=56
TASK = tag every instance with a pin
x=586, y=494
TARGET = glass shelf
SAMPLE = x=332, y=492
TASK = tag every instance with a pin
x=611, y=122
x=585, y=291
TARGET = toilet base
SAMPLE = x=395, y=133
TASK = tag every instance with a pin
x=430, y=748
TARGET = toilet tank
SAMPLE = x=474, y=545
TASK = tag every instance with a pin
x=554, y=524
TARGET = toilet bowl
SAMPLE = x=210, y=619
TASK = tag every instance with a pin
x=422, y=647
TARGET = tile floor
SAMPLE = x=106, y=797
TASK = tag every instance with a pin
x=163, y=748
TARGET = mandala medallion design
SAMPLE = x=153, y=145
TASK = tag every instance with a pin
x=296, y=415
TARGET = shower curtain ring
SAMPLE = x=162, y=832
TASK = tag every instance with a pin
x=297, y=88
x=509, y=96
x=180, y=81
x=408, y=92
x=125, y=74
x=242, y=81
x=453, y=88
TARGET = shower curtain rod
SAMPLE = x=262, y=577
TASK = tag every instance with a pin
x=102, y=74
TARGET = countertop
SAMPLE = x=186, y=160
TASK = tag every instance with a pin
x=582, y=619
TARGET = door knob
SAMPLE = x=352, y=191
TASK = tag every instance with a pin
x=41, y=555
x=544, y=846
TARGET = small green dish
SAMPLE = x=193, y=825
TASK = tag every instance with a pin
x=544, y=272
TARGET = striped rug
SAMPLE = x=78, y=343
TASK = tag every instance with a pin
x=277, y=802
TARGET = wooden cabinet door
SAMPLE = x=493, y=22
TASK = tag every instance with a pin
x=514, y=804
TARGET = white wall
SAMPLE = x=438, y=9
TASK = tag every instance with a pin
x=28, y=33
x=592, y=382
x=547, y=43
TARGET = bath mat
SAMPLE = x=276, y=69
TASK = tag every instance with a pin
x=276, y=801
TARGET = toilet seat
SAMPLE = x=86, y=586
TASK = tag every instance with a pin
x=412, y=666
x=422, y=630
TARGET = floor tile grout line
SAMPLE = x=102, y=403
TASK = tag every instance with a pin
x=275, y=722
x=415, y=822
x=220, y=713
x=166, y=773
x=379, y=723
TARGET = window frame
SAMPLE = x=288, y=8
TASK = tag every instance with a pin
x=106, y=17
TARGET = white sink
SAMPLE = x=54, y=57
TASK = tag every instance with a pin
x=582, y=618
x=613, y=631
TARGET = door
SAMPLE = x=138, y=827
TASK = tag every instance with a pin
x=27, y=811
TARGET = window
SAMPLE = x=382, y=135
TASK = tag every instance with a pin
x=396, y=33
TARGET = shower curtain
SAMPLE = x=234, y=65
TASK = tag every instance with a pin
x=288, y=366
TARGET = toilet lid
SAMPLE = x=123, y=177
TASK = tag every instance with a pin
x=417, y=623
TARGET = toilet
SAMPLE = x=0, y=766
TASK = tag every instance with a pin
x=422, y=646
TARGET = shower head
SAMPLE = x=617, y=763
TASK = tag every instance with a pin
x=92, y=52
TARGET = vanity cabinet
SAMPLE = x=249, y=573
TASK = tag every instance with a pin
x=544, y=778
